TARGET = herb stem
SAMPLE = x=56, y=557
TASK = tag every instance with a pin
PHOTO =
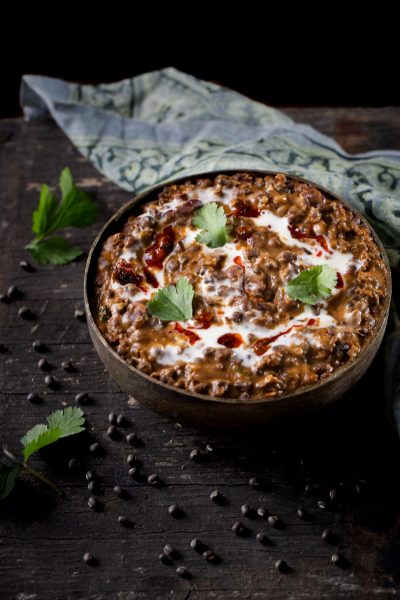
x=42, y=478
x=33, y=472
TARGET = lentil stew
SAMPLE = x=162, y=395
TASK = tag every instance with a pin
x=247, y=337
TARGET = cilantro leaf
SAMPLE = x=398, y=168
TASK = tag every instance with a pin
x=66, y=182
x=44, y=214
x=313, y=284
x=61, y=423
x=173, y=303
x=75, y=209
x=69, y=421
x=55, y=251
x=212, y=219
x=38, y=437
x=8, y=475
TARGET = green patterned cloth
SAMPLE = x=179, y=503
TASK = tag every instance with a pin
x=160, y=125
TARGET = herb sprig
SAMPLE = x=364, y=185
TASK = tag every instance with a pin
x=75, y=209
x=60, y=424
x=212, y=219
x=313, y=284
x=173, y=303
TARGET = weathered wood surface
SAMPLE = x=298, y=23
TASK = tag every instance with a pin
x=43, y=538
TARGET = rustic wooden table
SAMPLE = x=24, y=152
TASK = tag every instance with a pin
x=349, y=449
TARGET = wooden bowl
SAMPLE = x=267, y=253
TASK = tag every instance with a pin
x=207, y=411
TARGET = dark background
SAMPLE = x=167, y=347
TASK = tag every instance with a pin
x=273, y=58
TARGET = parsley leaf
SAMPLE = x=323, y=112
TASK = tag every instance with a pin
x=8, y=475
x=173, y=303
x=212, y=219
x=69, y=421
x=38, y=437
x=61, y=423
x=75, y=209
x=313, y=284
x=55, y=251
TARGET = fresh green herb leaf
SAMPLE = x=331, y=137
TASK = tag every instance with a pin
x=212, y=219
x=313, y=284
x=69, y=421
x=55, y=251
x=38, y=437
x=75, y=209
x=8, y=476
x=173, y=303
x=61, y=423
x=43, y=216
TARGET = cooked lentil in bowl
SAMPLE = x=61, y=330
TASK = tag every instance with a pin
x=246, y=336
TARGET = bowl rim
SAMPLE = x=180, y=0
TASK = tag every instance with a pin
x=138, y=199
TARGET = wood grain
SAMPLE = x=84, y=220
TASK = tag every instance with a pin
x=43, y=538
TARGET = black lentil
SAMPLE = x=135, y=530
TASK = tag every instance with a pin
x=79, y=314
x=112, y=418
x=26, y=266
x=38, y=346
x=175, y=511
x=94, y=504
x=197, y=545
x=254, y=482
x=95, y=448
x=154, y=480
x=13, y=293
x=89, y=559
x=240, y=529
x=122, y=421
x=124, y=521
x=113, y=433
x=26, y=313
x=34, y=398
x=211, y=557
x=44, y=365
x=195, y=455
x=82, y=398
x=171, y=551
x=263, y=539
x=92, y=487
x=72, y=464
x=163, y=558
x=282, y=566
x=183, y=572
x=262, y=512
x=51, y=382
x=132, y=439
x=247, y=511
x=217, y=497
x=68, y=366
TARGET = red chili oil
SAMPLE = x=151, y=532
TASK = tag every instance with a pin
x=261, y=346
x=297, y=234
x=246, y=210
x=124, y=273
x=163, y=245
x=239, y=262
x=340, y=282
x=193, y=337
x=230, y=340
x=150, y=278
x=203, y=319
